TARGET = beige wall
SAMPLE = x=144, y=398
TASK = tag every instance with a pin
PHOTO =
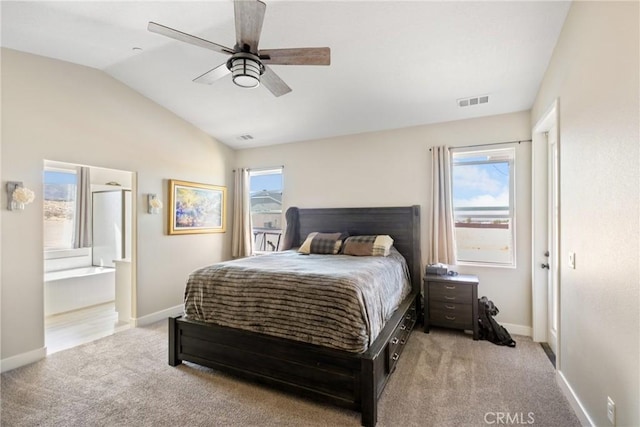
x=59, y=111
x=594, y=72
x=392, y=169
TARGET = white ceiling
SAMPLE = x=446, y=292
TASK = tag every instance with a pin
x=393, y=64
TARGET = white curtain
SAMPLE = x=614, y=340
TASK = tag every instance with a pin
x=242, y=237
x=82, y=235
x=442, y=244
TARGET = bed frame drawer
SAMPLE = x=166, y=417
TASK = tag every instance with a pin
x=400, y=338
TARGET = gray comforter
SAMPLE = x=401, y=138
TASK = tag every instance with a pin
x=336, y=301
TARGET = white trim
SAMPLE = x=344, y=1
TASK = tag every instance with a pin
x=548, y=119
x=157, y=316
x=22, y=359
x=275, y=170
x=517, y=329
x=576, y=405
x=539, y=295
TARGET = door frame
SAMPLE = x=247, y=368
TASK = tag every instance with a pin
x=539, y=237
x=553, y=260
x=133, y=215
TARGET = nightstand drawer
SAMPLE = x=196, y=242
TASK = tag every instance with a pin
x=440, y=317
x=451, y=308
x=450, y=292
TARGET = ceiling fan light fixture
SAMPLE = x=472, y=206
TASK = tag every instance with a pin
x=246, y=63
x=245, y=70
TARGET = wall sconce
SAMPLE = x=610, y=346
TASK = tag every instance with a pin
x=18, y=196
x=154, y=204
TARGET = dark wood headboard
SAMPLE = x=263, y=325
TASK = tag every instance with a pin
x=401, y=223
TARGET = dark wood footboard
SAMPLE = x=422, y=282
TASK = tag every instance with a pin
x=345, y=379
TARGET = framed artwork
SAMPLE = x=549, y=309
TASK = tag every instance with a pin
x=196, y=208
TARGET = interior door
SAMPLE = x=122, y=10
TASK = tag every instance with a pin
x=552, y=227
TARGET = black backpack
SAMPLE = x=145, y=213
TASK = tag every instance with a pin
x=489, y=329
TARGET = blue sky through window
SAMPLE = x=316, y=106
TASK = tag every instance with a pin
x=271, y=182
x=480, y=184
x=55, y=177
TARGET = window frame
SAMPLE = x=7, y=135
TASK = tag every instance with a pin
x=505, y=149
x=70, y=171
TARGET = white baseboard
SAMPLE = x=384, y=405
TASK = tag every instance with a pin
x=22, y=359
x=518, y=329
x=575, y=403
x=157, y=316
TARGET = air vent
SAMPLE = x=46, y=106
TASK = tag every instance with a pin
x=476, y=100
x=246, y=137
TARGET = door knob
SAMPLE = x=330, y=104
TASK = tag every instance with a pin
x=545, y=266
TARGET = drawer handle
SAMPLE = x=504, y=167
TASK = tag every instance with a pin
x=450, y=298
x=450, y=307
x=394, y=341
x=403, y=341
x=450, y=317
x=403, y=327
x=449, y=287
x=395, y=357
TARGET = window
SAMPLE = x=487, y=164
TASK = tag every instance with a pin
x=59, y=208
x=484, y=205
x=266, y=208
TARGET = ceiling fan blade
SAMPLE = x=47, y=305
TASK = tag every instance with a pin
x=297, y=56
x=249, y=15
x=187, y=38
x=212, y=75
x=274, y=83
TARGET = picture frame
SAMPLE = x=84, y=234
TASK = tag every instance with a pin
x=196, y=208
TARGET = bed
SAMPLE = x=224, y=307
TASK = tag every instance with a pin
x=346, y=378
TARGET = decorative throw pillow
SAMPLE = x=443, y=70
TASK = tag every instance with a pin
x=322, y=243
x=368, y=245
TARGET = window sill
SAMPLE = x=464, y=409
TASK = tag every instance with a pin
x=66, y=253
x=485, y=264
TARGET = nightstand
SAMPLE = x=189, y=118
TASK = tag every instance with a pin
x=451, y=302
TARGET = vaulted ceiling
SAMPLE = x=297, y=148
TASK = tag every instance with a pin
x=393, y=64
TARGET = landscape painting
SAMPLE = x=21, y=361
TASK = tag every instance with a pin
x=196, y=208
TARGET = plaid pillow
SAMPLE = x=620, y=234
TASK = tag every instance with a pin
x=368, y=245
x=322, y=243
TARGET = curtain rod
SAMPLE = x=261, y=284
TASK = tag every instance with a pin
x=493, y=143
x=263, y=169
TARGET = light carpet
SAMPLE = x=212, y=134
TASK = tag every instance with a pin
x=443, y=379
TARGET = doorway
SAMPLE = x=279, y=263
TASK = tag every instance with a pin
x=546, y=243
x=87, y=235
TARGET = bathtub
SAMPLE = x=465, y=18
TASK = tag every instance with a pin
x=68, y=290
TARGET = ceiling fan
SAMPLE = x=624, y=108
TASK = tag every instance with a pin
x=249, y=66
